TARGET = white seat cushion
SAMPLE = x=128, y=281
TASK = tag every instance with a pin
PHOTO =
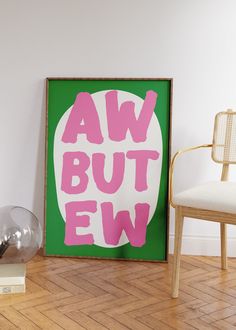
x=214, y=196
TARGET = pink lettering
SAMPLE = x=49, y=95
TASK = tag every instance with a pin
x=141, y=157
x=70, y=170
x=113, y=227
x=98, y=164
x=73, y=221
x=83, y=119
x=120, y=120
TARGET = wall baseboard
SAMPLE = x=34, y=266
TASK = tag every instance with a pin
x=203, y=245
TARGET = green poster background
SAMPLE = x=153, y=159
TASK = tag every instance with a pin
x=61, y=94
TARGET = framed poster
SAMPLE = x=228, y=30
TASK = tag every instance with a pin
x=107, y=160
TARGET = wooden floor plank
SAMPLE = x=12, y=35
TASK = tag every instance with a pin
x=63, y=302
x=42, y=300
x=108, y=321
x=216, y=306
x=153, y=323
x=62, y=320
x=200, y=324
x=223, y=325
x=85, y=321
x=223, y=313
x=39, y=319
x=130, y=322
x=82, y=304
x=17, y=318
x=6, y=324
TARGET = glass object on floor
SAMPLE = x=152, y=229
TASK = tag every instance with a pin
x=20, y=235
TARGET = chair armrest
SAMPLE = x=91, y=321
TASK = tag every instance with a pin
x=172, y=164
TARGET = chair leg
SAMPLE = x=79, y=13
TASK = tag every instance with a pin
x=177, y=251
x=223, y=241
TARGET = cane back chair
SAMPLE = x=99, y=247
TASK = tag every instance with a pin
x=212, y=201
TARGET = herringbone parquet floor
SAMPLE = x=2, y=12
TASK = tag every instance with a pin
x=65, y=293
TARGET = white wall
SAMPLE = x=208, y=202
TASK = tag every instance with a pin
x=192, y=41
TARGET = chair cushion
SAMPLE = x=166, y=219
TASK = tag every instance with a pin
x=214, y=196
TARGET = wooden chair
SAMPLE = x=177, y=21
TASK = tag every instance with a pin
x=212, y=201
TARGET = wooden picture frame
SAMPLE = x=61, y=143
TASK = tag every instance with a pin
x=106, y=172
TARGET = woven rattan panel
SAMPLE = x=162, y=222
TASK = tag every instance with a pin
x=224, y=141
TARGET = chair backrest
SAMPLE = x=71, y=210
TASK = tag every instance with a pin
x=224, y=139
